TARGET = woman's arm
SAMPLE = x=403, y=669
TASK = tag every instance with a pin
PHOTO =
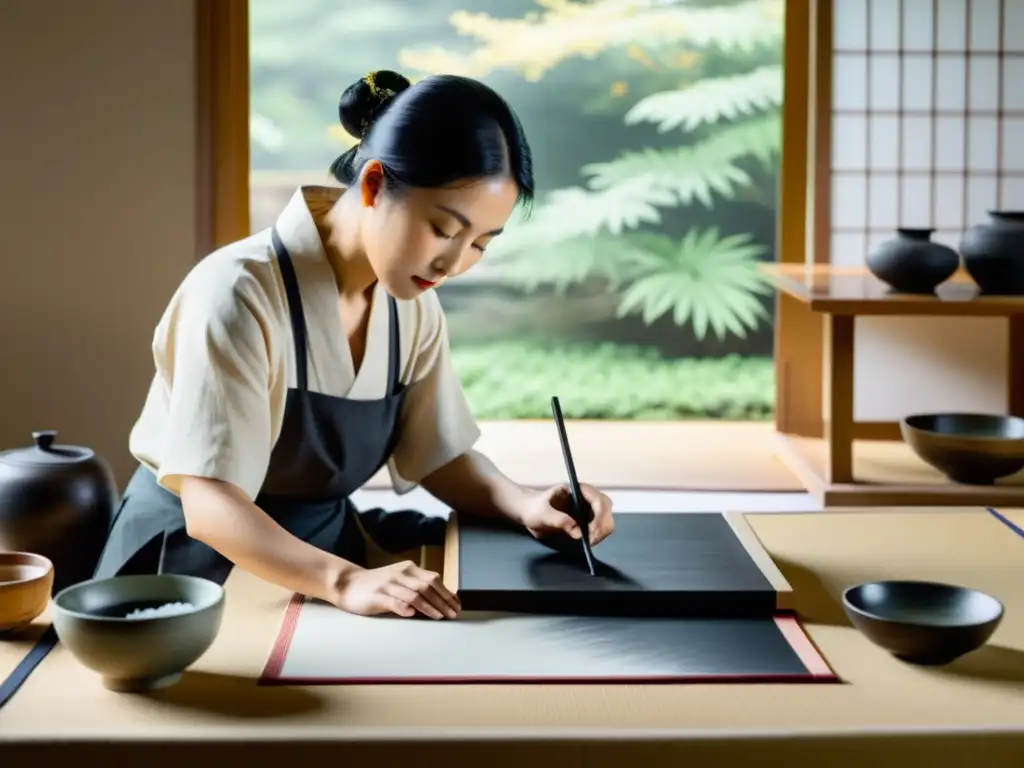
x=222, y=517
x=471, y=483
x=437, y=423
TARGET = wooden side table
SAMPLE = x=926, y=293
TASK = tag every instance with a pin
x=838, y=296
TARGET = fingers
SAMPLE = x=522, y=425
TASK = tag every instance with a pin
x=430, y=587
x=397, y=606
x=602, y=527
x=425, y=591
x=593, y=496
x=603, y=524
x=555, y=520
x=412, y=599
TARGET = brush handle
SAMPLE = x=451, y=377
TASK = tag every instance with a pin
x=580, y=506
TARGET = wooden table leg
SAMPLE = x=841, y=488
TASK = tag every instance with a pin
x=838, y=397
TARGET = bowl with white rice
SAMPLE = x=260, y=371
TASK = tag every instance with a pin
x=139, y=632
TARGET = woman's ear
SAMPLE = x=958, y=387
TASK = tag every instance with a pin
x=371, y=183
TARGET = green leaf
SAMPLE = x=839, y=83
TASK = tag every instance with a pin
x=711, y=282
x=760, y=138
x=687, y=174
x=573, y=212
x=677, y=176
x=710, y=100
x=570, y=262
x=731, y=27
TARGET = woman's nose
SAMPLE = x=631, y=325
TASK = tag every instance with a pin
x=448, y=263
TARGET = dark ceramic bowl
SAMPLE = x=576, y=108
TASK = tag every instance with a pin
x=923, y=622
x=115, y=627
x=970, y=448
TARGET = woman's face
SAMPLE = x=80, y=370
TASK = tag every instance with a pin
x=418, y=239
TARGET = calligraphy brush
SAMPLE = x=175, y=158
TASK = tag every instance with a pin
x=579, y=504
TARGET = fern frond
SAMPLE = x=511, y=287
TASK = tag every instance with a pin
x=711, y=281
x=686, y=174
x=760, y=138
x=710, y=100
x=575, y=212
x=572, y=261
x=692, y=174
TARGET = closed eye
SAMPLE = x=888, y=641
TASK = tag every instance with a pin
x=444, y=236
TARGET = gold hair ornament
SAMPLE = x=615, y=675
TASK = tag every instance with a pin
x=380, y=96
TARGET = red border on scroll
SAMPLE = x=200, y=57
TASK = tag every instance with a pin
x=818, y=670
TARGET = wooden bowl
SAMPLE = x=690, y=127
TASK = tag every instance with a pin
x=26, y=580
x=969, y=448
x=923, y=622
x=115, y=628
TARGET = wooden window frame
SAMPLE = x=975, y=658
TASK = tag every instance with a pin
x=222, y=94
x=222, y=122
x=801, y=218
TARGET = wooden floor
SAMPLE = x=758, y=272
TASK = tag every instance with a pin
x=691, y=456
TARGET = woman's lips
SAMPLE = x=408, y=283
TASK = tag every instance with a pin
x=423, y=284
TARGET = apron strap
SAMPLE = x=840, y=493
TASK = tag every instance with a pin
x=298, y=318
x=394, y=347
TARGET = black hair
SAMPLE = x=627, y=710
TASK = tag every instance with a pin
x=441, y=130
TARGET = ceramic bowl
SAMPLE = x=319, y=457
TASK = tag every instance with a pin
x=26, y=580
x=95, y=621
x=923, y=622
x=970, y=448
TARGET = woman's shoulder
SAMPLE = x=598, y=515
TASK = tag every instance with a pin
x=240, y=271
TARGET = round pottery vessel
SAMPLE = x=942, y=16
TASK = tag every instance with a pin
x=912, y=263
x=26, y=580
x=57, y=501
x=138, y=654
x=923, y=622
x=969, y=448
x=993, y=253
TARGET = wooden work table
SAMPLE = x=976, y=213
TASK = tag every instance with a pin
x=885, y=712
x=843, y=468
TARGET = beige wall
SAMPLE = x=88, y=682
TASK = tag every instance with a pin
x=917, y=108
x=97, y=220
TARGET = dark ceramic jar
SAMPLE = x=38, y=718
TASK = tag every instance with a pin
x=994, y=253
x=912, y=263
x=56, y=501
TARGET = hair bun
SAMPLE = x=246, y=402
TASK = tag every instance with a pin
x=364, y=100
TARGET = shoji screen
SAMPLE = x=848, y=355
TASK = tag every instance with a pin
x=927, y=131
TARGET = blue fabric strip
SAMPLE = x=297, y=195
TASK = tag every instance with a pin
x=1007, y=522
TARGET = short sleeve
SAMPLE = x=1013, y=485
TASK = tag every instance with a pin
x=437, y=425
x=213, y=356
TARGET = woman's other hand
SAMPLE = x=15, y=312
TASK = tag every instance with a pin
x=403, y=589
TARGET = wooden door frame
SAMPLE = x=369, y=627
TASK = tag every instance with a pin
x=222, y=122
x=802, y=214
x=222, y=110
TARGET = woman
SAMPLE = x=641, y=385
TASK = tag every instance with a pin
x=292, y=365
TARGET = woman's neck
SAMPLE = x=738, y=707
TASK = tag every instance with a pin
x=341, y=232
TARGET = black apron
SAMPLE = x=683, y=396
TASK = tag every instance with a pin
x=329, y=447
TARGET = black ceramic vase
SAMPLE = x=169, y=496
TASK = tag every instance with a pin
x=994, y=253
x=57, y=501
x=912, y=263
